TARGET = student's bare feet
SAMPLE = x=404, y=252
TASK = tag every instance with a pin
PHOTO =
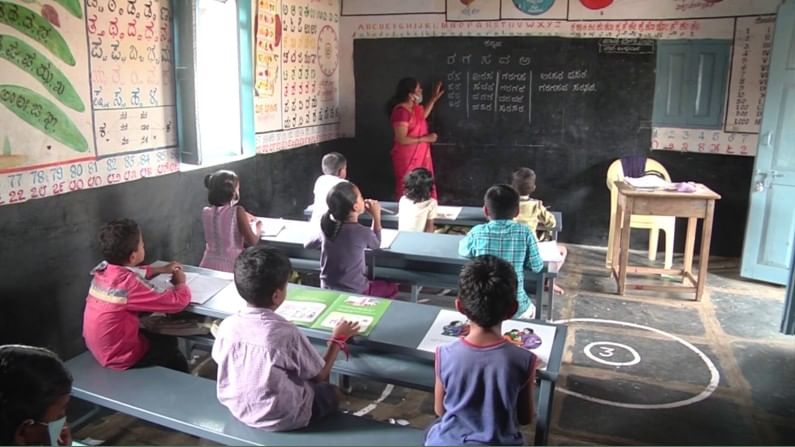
x=558, y=290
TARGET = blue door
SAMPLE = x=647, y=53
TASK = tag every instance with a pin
x=768, y=247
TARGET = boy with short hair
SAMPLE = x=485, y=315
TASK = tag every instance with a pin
x=120, y=289
x=335, y=170
x=506, y=239
x=269, y=374
x=484, y=384
x=531, y=211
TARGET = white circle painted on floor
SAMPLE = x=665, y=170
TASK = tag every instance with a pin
x=714, y=378
x=605, y=351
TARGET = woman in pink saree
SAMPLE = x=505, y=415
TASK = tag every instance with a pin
x=412, y=144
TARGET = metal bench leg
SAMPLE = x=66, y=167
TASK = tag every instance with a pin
x=342, y=381
x=77, y=423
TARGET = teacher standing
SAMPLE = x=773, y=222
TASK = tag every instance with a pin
x=412, y=144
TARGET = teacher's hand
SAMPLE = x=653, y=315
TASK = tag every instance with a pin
x=431, y=137
x=438, y=91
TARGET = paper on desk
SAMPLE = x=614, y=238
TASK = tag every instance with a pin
x=651, y=182
x=387, y=237
x=270, y=227
x=549, y=251
x=450, y=325
x=448, y=212
x=202, y=287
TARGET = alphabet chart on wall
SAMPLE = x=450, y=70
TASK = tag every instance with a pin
x=267, y=72
x=130, y=48
x=310, y=60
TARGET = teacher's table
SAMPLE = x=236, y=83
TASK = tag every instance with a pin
x=396, y=340
x=468, y=217
x=693, y=206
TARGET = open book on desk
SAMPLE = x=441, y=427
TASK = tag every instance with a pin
x=202, y=287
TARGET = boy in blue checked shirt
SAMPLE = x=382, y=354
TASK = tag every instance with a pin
x=506, y=239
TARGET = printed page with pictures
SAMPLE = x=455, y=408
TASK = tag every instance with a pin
x=451, y=325
x=303, y=306
x=365, y=310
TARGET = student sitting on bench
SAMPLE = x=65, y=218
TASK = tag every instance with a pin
x=504, y=238
x=119, y=291
x=484, y=384
x=269, y=375
x=34, y=392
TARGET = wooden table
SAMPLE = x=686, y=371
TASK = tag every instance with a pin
x=693, y=206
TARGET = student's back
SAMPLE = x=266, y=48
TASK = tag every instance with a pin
x=481, y=385
x=335, y=170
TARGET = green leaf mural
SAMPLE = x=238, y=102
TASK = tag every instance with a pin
x=73, y=6
x=37, y=28
x=42, y=69
x=42, y=114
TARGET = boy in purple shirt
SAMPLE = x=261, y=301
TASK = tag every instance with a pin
x=269, y=375
x=484, y=384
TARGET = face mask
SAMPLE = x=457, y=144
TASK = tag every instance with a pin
x=418, y=98
x=54, y=429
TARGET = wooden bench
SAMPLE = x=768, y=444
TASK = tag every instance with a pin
x=188, y=404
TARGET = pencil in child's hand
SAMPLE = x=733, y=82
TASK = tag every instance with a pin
x=386, y=211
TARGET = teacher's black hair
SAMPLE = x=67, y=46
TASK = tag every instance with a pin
x=404, y=88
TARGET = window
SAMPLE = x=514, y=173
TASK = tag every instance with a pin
x=691, y=83
x=215, y=111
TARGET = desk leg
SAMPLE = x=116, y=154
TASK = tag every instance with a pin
x=546, y=391
x=415, y=292
x=690, y=245
x=623, y=253
x=616, y=242
x=703, y=259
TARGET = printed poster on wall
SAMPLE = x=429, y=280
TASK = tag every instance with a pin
x=133, y=95
x=268, y=66
x=310, y=63
x=534, y=9
x=753, y=42
x=45, y=105
x=473, y=9
x=666, y=9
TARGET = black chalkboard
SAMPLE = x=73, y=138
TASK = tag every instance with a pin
x=514, y=91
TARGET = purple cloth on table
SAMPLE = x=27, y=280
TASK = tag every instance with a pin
x=633, y=165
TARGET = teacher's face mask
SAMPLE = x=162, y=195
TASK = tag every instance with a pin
x=418, y=98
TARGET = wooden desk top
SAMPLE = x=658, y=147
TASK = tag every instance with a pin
x=702, y=192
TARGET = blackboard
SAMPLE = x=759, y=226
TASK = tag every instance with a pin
x=515, y=91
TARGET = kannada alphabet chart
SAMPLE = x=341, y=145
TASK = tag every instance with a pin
x=131, y=74
x=296, y=73
x=96, y=107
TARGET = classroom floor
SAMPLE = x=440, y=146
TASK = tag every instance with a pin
x=646, y=368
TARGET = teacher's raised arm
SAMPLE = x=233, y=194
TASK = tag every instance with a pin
x=411, y=146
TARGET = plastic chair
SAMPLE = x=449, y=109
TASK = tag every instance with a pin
x=653, y=223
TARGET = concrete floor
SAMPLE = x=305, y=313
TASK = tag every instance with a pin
x=646, y=368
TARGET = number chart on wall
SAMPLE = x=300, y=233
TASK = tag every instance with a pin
x=296, y=73
x=87, y=95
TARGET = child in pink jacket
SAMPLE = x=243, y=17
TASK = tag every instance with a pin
x=119, y=291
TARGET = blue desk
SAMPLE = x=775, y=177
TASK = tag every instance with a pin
x=469, y=217
x=416, y=258
x=394, y=341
